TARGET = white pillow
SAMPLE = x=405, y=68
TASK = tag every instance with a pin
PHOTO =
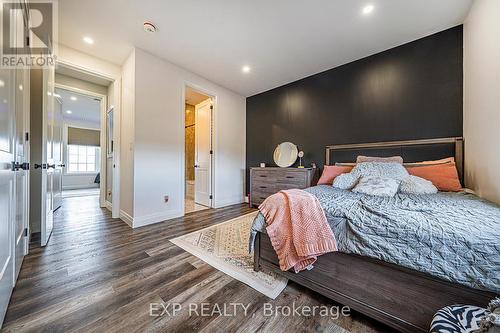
x=345, y=181
x=379, y=169
x=380, y=186
x=417, y=185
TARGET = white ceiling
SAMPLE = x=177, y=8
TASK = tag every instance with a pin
x=281, y=40
x=84, y=109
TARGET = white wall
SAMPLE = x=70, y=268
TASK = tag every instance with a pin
x=482, y=98
x=158, y=139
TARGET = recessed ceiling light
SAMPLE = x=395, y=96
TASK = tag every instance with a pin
x=73, y=98
x=245, y=69
x=88, y=40
x=69, y=111
x=368, y=9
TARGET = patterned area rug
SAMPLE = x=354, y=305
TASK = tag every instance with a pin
x=225, y=247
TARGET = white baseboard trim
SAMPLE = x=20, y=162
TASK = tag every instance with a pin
x=125, y=217
x=142, y=221
x=108, y=205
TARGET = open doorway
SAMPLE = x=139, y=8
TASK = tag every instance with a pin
x=81, y=119
x=198, y=150
x=67, y=144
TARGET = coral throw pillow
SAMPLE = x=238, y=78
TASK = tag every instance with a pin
x=443, y=176
x=330, y=172
x=435, y=162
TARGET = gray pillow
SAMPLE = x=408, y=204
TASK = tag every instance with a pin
x=380, y=186
x=378, y=169
x=345, y=181
x=392, y=159
x=417, y=185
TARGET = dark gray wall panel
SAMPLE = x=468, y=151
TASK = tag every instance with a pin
x=413, y=91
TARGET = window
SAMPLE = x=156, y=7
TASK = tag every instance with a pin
x=83, y=159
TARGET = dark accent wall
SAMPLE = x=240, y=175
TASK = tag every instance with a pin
x=413, y=91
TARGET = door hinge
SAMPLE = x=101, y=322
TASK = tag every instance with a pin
x=26, y=136
x=25, y=232
x=211, y=152
x=210, y=197
x=211, y=107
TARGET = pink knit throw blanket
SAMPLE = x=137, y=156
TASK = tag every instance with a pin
x=298, y=228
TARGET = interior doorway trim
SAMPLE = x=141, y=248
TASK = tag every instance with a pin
x=182, y=175
x=102, y=136
x=84, y=70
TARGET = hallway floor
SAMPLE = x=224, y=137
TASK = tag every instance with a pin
x=189, y=204
x=81, y=192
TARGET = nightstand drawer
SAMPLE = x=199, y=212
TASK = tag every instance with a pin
x=272, y=188
x=298, y=178
x=265, y=188
x=267, y=181
x=256, y=198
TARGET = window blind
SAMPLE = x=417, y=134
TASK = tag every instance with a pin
x=83, y=137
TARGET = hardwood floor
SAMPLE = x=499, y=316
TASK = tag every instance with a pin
x=97, y=274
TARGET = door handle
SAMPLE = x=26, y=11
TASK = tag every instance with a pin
x=23, y=166
x=51, y=166
x=41, y=166
x=62, y=165
x=196, y=166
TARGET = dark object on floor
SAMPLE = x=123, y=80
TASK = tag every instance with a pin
x=457, y=318
x=467, y=319
x=97, y=179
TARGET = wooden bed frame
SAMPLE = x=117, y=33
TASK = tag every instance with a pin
x=402, y=298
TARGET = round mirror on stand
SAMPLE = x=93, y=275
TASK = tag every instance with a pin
x=285, y=154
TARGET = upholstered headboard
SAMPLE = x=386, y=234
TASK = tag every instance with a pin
x=410, y=150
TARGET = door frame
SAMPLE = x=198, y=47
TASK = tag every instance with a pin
x=117, y=93
x=214, y=98
x=102, y=136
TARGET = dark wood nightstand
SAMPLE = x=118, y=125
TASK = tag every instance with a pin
x=267, y=181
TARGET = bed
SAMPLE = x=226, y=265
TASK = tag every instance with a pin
x=382, y=269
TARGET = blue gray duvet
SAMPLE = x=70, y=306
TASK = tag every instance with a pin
x=454, y=236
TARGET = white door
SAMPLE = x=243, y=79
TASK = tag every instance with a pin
x=21, y=168
x=203, y=156
x=13, y=199
x=7, y=187
x=48, y=163
x=57, y=138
